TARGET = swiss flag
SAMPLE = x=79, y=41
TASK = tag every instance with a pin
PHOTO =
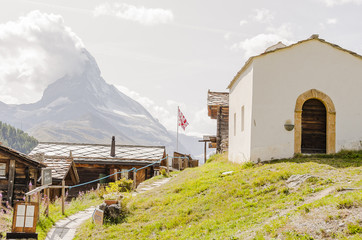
x=182, y=120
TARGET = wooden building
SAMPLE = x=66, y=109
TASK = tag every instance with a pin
x=181, y=161
x=17, y=171
x=218, y=108
x=93, y=161
x=63, y=168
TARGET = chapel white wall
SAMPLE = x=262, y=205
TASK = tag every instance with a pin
x=280, y=77
x=240, y=95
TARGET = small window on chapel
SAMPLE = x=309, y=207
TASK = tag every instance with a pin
x=234, y=124
x=2, y=170
x=242, y=118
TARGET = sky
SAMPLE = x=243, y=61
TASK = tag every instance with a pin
x=162, y=53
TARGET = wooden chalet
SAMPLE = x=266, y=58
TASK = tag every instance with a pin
x=181, y=161
x=93, y=161
x=218, y=108
x=17, y=171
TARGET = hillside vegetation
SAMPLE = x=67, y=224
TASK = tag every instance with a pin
x=16, y=139
x=222, y=200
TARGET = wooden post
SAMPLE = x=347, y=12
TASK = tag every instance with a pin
x=11, y=181
x=47, y=201
x=167, y=165
x=35, y=177
x=39, y=203
x=63, y=195
x=218, y=134
x=134, y=179
x=205, y=153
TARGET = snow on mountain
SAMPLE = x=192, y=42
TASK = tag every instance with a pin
x=84, y=108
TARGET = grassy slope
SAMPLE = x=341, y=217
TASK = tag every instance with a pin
x=251, y=202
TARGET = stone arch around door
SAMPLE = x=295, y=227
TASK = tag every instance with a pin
x=331, y=119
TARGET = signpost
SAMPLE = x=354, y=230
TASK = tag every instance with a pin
x=46, y=176
x=25, y=216
x=46, y=180
x=98, y=216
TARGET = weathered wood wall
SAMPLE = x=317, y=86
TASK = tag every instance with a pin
x=89, y=172
x=222, y=132
x=16, y=182
x=184, y=162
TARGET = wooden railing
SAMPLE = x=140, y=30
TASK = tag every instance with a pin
x=46, y=189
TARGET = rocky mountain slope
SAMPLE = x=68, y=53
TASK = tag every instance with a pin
x=84, y=108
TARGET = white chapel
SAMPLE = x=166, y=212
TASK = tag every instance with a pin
x=302, y=98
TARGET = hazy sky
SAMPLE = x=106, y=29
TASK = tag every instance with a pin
x=162, y=53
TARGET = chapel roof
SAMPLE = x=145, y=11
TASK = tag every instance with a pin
x=314, y=37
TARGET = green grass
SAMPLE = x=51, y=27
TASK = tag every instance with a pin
x=55, y=211
x=5, y=221
x=45, y=223
x=254, y=200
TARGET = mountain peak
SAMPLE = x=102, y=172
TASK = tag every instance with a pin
x=84, y=85
x=82, y=107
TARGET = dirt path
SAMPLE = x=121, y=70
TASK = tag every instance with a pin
x=65, y=229
x=145, y=186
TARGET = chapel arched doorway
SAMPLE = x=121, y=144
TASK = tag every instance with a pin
x=314, y=127
x=330, y=120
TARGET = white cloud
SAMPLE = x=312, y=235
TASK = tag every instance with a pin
x=227, y=36
x=36, y=50
x=331, y=3
x=199, y=122
x=259, y=43
x=243, y=22
x=331, y=21
x=284, y=30
x=263, y=15
x=145, y=16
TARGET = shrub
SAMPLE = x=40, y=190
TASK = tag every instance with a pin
x=164, y=172
x=247, y=165
x=345, y=204
x=354, y=228
x=285, y=191
x=122, y=185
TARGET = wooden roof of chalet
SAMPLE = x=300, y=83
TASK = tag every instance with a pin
x=61, y=167
x=208, y=138
x=100, y=153
x=314, y=37
x=22, y=157
x=216, y=100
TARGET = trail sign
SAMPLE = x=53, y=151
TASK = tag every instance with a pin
x=46, y=176
x=98, y=216
x=25, y=216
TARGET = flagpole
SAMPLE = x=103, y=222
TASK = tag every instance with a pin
x=178, y=117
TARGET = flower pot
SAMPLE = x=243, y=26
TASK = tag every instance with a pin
x=110, y=202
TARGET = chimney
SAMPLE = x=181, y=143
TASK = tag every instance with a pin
x=113, y=147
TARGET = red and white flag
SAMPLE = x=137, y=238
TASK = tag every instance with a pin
x=182, y=120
